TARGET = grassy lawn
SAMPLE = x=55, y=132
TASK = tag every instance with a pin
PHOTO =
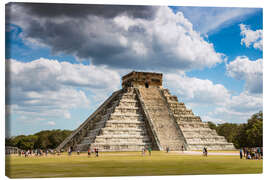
x=127, y=164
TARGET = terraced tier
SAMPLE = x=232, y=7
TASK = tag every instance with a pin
x=197, y=134
x=121, y=128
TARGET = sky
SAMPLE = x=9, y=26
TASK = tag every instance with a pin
x=63, y=61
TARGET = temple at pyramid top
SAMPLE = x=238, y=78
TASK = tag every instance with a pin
x=142, y=79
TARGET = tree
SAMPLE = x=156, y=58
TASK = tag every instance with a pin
x=254, y=130
x=48, y=139
x=249, y=134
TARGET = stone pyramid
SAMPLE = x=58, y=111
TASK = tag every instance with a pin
x=144, y=114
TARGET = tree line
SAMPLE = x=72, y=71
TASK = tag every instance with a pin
x=248, y=134
x=48, y=139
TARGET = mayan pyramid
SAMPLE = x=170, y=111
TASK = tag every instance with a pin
x=140, y=115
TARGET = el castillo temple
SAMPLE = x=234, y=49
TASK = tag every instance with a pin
x=144, y=114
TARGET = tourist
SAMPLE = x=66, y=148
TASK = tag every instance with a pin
x=96, y=151
x=241, y=154
x=258, y=153
x=182, y=149
x=69, y=151
x=167, y=149
x=26, y=154
x=78, y=152
x=89, y=152
x=149, y=150
x=143, y=151
x=205, y=151
x=248, y=156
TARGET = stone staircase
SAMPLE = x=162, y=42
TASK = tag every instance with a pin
x=122, y=127
x=164, y=125
x=196, y=133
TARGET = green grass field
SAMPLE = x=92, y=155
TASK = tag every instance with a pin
x=128, y=164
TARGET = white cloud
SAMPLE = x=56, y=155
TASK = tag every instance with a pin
x=165, y=41
x=239, y=108
x=251, y=71
x=51, y=123
x=211, y=19
x=49, y=88
x=197, y=90
x=251, y=37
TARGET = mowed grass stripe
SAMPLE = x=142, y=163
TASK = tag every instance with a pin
x=127, y=164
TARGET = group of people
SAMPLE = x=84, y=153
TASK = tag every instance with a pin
x=95, y=151
x=251, y=153
x=37, y=152
x=144, y=149
x=89, y=151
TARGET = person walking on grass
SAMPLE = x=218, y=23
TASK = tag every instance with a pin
x=241, y=153
x=143, y=151
x=89, y=152
x=167, y=149
x=182, y=149
x=205, y=151
x=69, y=151
x=149, y=150
x=96, y=151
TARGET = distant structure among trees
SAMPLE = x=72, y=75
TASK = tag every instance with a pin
x=11, y=150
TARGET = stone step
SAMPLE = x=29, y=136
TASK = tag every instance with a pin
x=122, y=131
x=199, y=133
x=227, y=146
x=174, y=104
x=129, y=96
x=122, y=143
x=189, y=118
x=128, y=104
x=155, y=108
x=193, y=125
x=120, y=146
x=110, y=140
x=180, y=112
x=199, y=136
x=128, y=110
x=125, y=125
x=209, y=143
x=124, y=122
x=118, y=116
x=206, y=140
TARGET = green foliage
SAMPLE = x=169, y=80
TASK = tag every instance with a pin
x=43, y=139
x=249, y=134
x=212, y=125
